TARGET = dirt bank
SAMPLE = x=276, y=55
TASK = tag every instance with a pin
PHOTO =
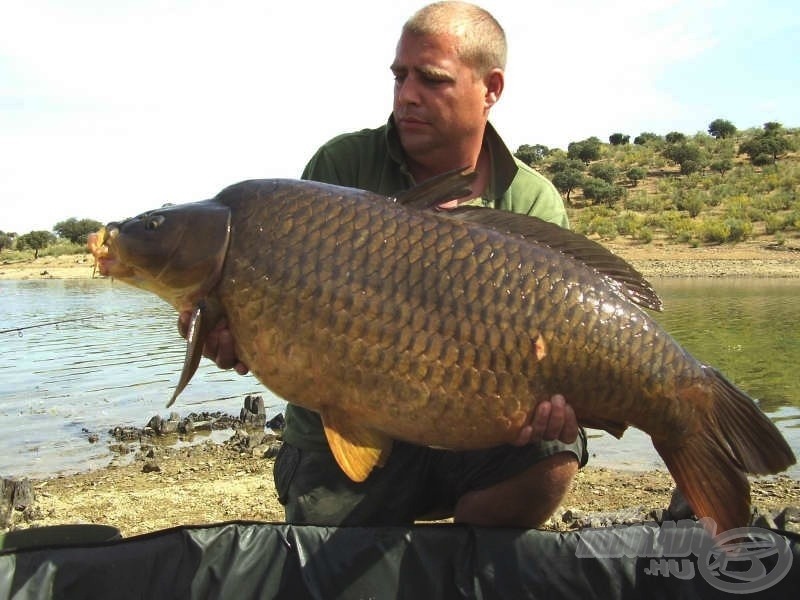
x=210, y=483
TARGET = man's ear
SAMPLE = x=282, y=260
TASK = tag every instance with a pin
x=495, y=82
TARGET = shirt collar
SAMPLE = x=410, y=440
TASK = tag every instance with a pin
x=504, y=168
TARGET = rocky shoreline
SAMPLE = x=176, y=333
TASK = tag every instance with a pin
x=158, y=480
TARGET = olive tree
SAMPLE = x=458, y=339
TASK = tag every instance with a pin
x=35, y=240
x=721, y=129
x=76, y=231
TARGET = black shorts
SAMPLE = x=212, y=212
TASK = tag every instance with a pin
x=416, y=481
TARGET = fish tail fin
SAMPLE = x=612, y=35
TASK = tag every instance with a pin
x=753, y=439
x=711, y=481
x=710, y=464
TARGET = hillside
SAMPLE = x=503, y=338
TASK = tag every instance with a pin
x=678, y=190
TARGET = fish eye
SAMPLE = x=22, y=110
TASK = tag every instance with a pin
x=152, y=222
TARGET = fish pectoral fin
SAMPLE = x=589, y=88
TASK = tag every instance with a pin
x=357, y=449
x=201, y=323
x=614, y=428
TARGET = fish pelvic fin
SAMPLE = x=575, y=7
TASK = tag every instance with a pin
x=734, y=438
x=613, y=427
x=357, y=449
x=201, y=323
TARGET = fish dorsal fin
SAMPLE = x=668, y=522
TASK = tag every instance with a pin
x=202, y=322
x=622, y=274
x=437, y=190
x=357, y=449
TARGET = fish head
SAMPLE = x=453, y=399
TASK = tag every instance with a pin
x=176, y=252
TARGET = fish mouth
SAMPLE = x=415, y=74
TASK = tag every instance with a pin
x=100, y=244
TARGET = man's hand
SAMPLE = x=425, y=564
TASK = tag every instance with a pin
x=553, y=419
x=218, y=345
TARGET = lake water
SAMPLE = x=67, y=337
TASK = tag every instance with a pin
x=118, y=364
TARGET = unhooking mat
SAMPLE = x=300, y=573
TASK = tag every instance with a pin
x=263, y=560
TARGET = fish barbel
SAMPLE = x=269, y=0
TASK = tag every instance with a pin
x=440, y=328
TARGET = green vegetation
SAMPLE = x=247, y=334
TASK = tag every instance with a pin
x=75, y=230
x=71, y=239
x=722, y=186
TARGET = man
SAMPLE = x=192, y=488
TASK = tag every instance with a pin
x=448, y=73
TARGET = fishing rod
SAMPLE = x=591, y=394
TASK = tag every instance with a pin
x=24, y=327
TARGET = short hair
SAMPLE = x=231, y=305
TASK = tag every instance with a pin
x=482, y=39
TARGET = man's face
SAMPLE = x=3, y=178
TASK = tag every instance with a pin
x=438, y=100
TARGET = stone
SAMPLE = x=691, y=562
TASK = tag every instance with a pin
x=763, y=518
x=789, y=519
x=23, y=494
x=276, y=423
x=678, y=507
x=151, y=466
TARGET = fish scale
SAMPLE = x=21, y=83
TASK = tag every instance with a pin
x=482, y=310
x=443, y=329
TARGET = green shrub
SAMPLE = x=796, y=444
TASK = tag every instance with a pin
x=774, y=223
x=643, y=202
x=714, y=231
x=628, y=223
x=740, y=229
x=692, y=202
x=644, y=235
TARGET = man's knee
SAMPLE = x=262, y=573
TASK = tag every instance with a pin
x=527, y=499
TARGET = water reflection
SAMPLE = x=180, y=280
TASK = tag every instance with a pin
x=117, y=365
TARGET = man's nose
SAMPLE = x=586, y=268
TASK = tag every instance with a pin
x=406, y=91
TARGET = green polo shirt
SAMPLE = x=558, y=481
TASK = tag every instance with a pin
x=373, y=159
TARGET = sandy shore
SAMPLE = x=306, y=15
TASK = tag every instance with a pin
x=211, y=483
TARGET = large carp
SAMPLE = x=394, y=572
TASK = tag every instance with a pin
x=442, y=328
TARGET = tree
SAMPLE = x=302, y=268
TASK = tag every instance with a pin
x=531, y=155
x=636, y=174
x=646, y=136
x=567, y=180
x=586, y=150
x=563, y=164
x=721, y=165
x=601, y=190
x=605, y=171
x=76, y=231
x=619, y=139
x=686, y=154
x=721, y=129
x=768, y=145
x=7, y=240
x=35, y=240
x=675, y=137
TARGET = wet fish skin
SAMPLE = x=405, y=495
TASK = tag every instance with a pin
x=423, y=313
x=442, y=330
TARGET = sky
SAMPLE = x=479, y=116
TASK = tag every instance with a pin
x=109, y=108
